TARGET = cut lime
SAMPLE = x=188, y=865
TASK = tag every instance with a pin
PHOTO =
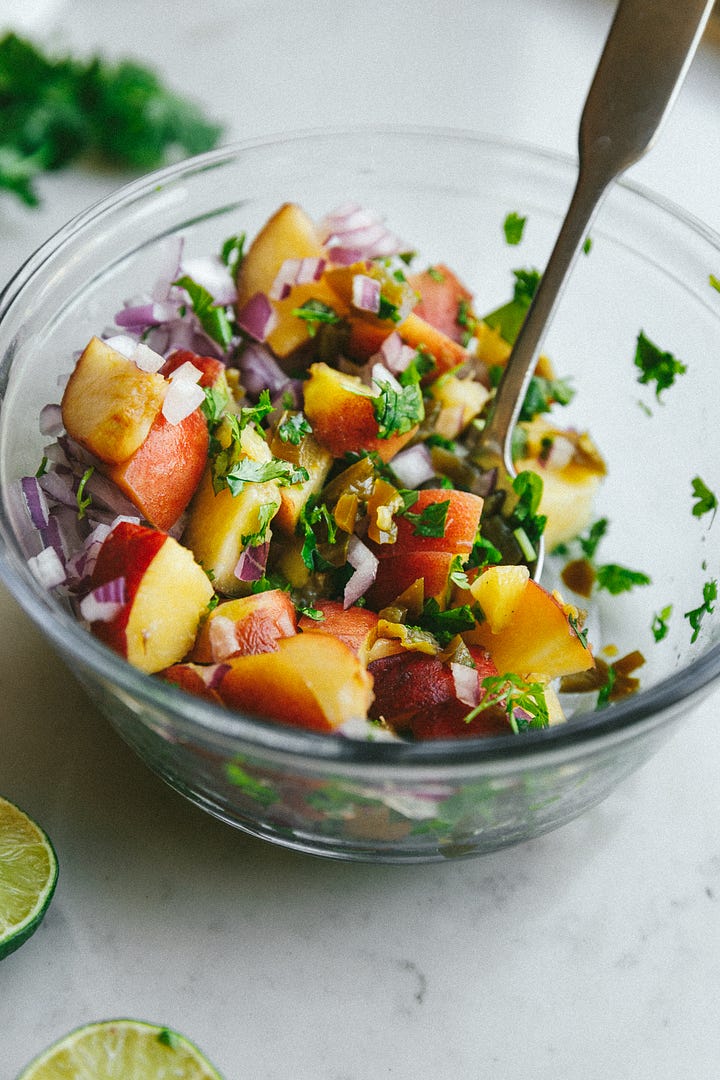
x=28, y=873
x=121, y=1050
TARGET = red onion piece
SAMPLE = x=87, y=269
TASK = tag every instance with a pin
x=105, y=602
x=48, y=568
x=413, y=466
x=362, y=230
x=366, y=293
x=182, y=398
x=81, y=565
x=296, y=272
x=395, y=354
x=122, y=343
x=252, y=562
x=51, y=422
x=257, y=317
x=467, y=687
x=35, y=501
x=365, y=565
x=147, y=359
x=171, y=253
x=260, y=371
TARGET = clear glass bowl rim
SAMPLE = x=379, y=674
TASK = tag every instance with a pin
x=191, y=716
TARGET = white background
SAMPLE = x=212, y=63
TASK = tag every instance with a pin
x=591, y=953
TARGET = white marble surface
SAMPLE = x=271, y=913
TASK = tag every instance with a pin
x=593, y=952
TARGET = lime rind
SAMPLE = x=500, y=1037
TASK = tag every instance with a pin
x=28, y=876
x=121, y=1049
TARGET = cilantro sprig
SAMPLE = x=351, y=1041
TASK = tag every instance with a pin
x=696, y=615
x=398, y=406
x=523, y=701
x=212, y=317
x=706, y=501
x=56, y=110
x=232, y=468
x=513, y=227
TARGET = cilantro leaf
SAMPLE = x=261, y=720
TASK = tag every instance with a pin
x=431, y=520
x=294, y=428
x=618, y=579
x=523, y=701
x=211, y=316
x=659, y=627
x=445, y=624
x=714, y=282
x=655, y=365
x=316, y=314
x=398, y=410
x=266, y=512
x=248, y=471
x=508, y=318
x=706, y=499
x=695, y=617
x=513, y=227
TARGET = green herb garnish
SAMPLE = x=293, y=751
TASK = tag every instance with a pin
x=706, y=500
x=655, y=365
x=696, y=616
x=513, y=227
x=397, y=410
x=523, y=701
x=316, y=314
x=84, y=501
x=444, y=625
x=212, y=317
x=714, y=282
x=659, y=627
x=294, y=428
x=508, y=319
x=56, y=110
x=431, y=520
x=618, y=579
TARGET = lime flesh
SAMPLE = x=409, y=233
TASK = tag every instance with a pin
x=28, y=873
x=121, y=1050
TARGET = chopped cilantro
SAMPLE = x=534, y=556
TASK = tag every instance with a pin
x=430, y=521
x=311, y=613
x=388, y=310
x=233, y=251
x=525, y=521
x=513, y=227
x=696, y=616
x=212, y=317
x=618, y=579
x=508, y=319
x=435, y=274
x=587, y=245
x=249, y=471
x=606, y=689
x=659, y=625
x=166, y=1037
x=314, y=516
x=232, y=468
x=543, y=393
x=589, y=542
x=315, y=315
x=294, y=429
x=42, y=467
x=523, y=701
x=580, y=632
x=266, y=512
x=715, y=282
x=260, y=791
x=466, y=320
x=655, y=365
x=706, y=499
x=444, y=625
x=56, y=110
x=398, y=410
x=215, y=403
x=457, y=573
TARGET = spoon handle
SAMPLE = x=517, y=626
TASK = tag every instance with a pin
x=646, y=56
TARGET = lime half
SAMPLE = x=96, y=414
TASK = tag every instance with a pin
x=121, y=1050
x=28, y=873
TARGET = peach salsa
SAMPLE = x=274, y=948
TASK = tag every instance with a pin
x=261, y=485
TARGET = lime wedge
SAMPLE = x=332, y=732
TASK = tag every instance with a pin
x=28, y=873
x=121, y=1050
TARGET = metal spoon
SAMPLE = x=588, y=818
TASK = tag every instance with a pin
x=645, y=59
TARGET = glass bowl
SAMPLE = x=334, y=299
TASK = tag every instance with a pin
x=648, y=269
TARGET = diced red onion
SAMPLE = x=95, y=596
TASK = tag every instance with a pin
x=147, y=359
x=171, y=254
x=186, y=370
x=365, y=565
x=35, y=501
x=103, y=492
x=381, y=375
x=51, y=422
x=103, y=603
x=138, y=317
x=252, y=562
x=182, y=398
x=59, y=484
x=213, y=674
x=122, y=343
x=81, y=565
x=366, y=293
x=467, y=686
x=257, y=317
x=259, y=371
x=353, y=227
x=395, y=354
x=295, y=272
x=213, y=274
x=413, y=466
x=223, y=638
x=48, y=568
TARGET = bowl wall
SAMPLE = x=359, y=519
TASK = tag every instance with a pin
x=648, y=269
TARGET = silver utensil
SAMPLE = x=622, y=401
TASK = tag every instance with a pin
x=643, y=64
